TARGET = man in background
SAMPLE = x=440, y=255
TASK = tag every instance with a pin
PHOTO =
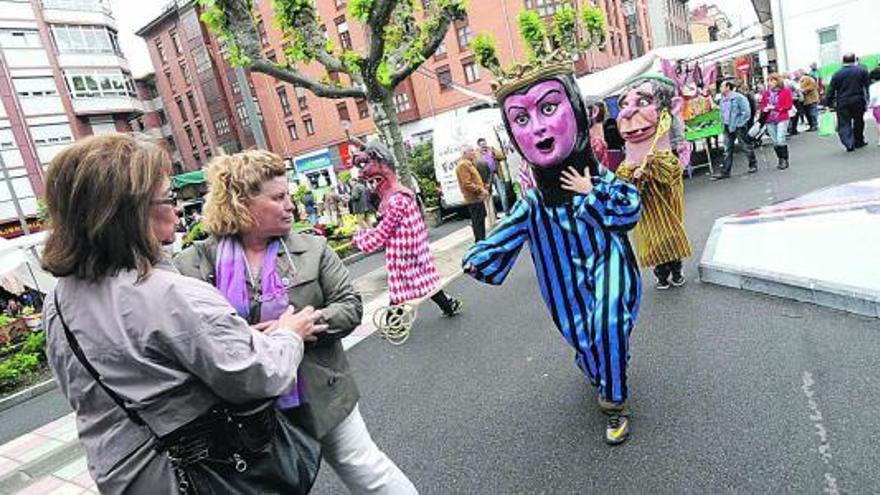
x=847, y=95
x=494, y=158
x=473, y=189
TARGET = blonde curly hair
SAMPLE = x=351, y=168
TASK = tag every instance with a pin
x=233, y=180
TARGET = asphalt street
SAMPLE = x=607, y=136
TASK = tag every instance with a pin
x=732, y=391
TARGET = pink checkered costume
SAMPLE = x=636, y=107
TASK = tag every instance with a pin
x=410, y=264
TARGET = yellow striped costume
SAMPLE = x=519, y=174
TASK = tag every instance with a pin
x=659, y=235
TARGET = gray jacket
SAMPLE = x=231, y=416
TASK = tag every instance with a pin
x=171, y=347
x=319, y=279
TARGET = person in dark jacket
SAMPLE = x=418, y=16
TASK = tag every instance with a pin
x=847, y=95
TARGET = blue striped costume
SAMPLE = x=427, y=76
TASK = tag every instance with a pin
x=588, y=274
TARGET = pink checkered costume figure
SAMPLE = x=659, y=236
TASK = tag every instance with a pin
x=412, y=273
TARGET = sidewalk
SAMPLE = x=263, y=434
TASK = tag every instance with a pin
x=49, y=459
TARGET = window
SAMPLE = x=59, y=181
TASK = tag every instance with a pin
x=829, y=45
x=310, y=127
x=344, y=35
x=35, y=86
x=464, y=33
x=169, y=141
x=192, y=104
x=184, y=68
x=444, y=77
x=19, y=38
x=203, y=136
x=264, y=36
x=197, y=157
x=291, y=128
x=51, y=134
x=180, y=108
x=85, y=5
x=99, y=84
x=7, y=140
x=163, y=119
x=271, y=56
x=91, y=39
x=471, y=72
x=340, y=3
x=363, y=108
x=189, y=136
x=441, y=52
x=175, y=40
x=169, y=80
x=401, y=102
x=301, y=99
x=342, y=110
x=285, y=103
x=236, y=89
x=242, y=114
x=544, y=7
x=221, y=126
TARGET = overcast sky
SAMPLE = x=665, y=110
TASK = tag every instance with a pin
x=132, y=15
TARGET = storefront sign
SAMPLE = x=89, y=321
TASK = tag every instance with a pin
x=314, y=162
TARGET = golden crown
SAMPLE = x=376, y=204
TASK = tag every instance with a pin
x=520, y=76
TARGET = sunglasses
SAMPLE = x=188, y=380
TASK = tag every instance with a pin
x=171, y=200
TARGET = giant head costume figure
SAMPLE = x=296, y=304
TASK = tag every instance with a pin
x=647, y=107
x=547, y=121
x=378, y=169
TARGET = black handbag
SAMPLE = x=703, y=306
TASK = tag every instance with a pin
x=231, y=449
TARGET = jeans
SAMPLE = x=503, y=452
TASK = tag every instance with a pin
x=501, y=187
x=730, y=138
x=359, y=463
x=813, y=115
x=777, y=132
x=478, y=220
x=851, y=124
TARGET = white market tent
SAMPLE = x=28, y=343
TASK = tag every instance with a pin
x=19, y=264
x=609, y=81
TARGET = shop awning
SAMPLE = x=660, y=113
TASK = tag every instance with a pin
x=188, y=179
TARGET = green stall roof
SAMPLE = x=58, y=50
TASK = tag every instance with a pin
x=188, y=179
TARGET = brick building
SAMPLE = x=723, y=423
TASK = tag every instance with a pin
x=154, y=121
x=202, y=102
x=62, y=77
x=308, y=130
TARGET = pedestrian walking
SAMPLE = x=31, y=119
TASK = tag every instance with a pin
x=810, y=87
x=333, y=206
x=735, y=115
x=473, y=190
x=147, y=358
x=776, y=103
x=308, y=201
x=494, y=159
x=256, y=261
x=645, y=121
x=847, y=94
x=792, y=81
x=576, y=224
x=412, y=273
x=874, y=98
x=360, y=203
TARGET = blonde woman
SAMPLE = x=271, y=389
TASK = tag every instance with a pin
x=260, y=265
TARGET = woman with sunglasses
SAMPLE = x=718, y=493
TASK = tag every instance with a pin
x=261, y=266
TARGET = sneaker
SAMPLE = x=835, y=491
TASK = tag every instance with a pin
x=662, y=284
x=753, y=168
x=678, y=279
x=456, y=307
x=719, y=177
x=617, y=430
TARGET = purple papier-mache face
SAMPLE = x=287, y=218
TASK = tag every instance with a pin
x=543, y=123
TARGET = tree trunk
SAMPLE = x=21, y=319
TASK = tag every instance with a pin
x=385, y=117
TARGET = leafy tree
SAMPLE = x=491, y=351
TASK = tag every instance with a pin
x=399, y=41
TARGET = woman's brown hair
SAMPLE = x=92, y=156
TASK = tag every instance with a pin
x=233, y=180
x=99, y=192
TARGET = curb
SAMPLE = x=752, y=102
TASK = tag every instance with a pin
x=27, y=394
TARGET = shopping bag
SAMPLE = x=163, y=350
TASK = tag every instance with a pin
x=827, y=124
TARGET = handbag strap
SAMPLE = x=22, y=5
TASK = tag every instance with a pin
x=81, y=357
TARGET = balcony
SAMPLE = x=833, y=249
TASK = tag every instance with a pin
x=107, y=105
x=92, y=59
x=78, y=12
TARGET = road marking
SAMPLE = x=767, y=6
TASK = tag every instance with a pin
x=831, y=486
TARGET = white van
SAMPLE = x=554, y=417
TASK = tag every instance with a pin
x=456, y=128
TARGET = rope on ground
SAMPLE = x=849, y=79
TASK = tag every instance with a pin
x=395, y=322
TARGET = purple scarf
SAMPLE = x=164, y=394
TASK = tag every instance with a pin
x=231, y=274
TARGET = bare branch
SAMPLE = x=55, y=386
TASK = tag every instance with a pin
x=433, y=38
x=293, y=77
x=379, y=17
